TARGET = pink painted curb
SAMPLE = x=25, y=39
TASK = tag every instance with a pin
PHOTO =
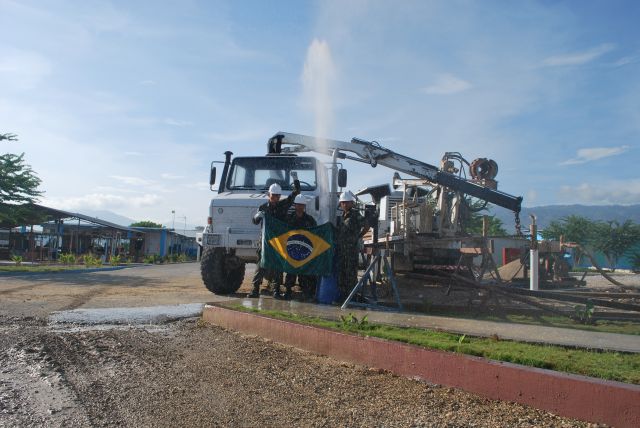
x=579, y=397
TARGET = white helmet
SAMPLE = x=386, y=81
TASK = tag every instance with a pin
x=300, y=199
x=347, y=197
x=275, y=189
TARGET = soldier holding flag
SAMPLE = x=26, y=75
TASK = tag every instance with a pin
x=299, y=219
x=278, y=209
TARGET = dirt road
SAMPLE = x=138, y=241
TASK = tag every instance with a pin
x=183, y=373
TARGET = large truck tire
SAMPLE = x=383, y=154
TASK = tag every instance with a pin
x=221, y=273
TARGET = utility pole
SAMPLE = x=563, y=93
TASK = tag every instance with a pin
x=173, y=227
x=184, y=231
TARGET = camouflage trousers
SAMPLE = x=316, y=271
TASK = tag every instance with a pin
x=347, y=264
x=273, y=277
x=307, y=283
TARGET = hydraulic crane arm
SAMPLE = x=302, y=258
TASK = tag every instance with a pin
x=374, y=154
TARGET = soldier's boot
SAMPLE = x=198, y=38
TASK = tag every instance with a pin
x=276, y=291
x=287, y=293
x=255, y=293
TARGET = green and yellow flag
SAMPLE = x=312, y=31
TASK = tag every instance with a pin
x=299, y=251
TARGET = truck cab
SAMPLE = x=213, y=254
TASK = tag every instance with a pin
x=230, y=238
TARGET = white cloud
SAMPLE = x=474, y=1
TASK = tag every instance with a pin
x=103, y=201
x=228, y=137
x=176, y=122
x=132, y=153
x=132, y=181
x=200, y=185
x=113, y=189
x=104, y=17
x=447, y=84
x=578, y=58
x=22, y=70
x=595, y=153
x=631, y=59
x=613, y=192
x=148, y=82
x=168, y=176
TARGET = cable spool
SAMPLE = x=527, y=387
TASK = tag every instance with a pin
x=483, y=169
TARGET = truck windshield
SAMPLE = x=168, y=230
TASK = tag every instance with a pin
x=260, y=173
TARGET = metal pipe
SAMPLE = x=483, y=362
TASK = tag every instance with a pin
x=225, y=171
x=334, y=186
x=533, y=255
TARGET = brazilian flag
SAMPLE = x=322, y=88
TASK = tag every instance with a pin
x=298, y=251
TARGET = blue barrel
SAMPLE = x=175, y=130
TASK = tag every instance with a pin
x=327, y=291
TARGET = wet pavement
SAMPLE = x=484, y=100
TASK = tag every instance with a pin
x=509, y=331
x=127, y=316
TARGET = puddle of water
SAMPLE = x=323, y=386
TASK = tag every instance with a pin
x=126, y=316
x=74, y=328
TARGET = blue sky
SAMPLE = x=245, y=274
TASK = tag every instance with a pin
x=123, y=105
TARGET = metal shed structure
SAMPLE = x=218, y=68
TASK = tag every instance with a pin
x=63, y=231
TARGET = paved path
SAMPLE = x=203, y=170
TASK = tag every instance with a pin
x=511, y=331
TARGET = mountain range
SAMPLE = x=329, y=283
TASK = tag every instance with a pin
x=547, y=213
x=126, y=221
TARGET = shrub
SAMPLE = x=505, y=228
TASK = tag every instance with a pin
x=91, y=261
x=67, y=259
x=152, y=259
x=17, y=260
x=115, y=260
x=182, y=258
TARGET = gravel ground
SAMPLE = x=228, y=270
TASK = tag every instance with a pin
x=597, y=281
x=185, y=373
x=189, y=374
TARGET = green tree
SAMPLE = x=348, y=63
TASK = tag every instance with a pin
x=472, y=217
x=18, y=188
x=8, y=137
x=145, y=223
x=474, y=225
x=590, y=236
x=573, y=228
x=614, y=240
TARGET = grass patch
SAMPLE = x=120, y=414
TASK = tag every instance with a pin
x=605, y=326
x=39, y=269
x=617, y=366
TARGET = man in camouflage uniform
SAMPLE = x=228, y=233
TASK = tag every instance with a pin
x=349, y=231
x=278, y=209
x=300, y=220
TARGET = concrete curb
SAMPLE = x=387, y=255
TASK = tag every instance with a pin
x=574, y=396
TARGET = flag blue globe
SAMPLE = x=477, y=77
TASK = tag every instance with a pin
x=299, y=247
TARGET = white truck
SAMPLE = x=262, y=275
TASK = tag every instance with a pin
x=230, y=239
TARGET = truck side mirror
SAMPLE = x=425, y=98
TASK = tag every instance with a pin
x=342, y=177
x=212, y=176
